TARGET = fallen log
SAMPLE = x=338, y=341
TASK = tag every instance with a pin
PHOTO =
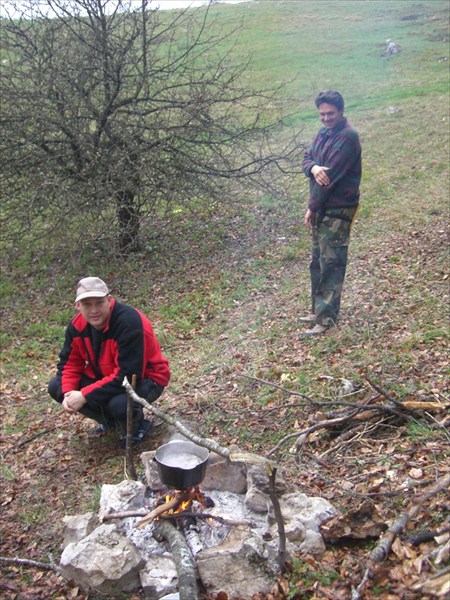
x=184, y=562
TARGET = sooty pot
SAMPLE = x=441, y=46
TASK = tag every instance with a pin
x=181, y=465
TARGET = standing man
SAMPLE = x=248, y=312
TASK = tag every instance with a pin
x=104, y=343
x=333, y=165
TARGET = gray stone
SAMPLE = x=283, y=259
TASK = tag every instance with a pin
x=311, y=511
x=105, y=561
x=302, y=517
x=257, y=497
x=312, y=544
x=391, y=48
x=78, y=527
x=126, y=496
x=238, y=567
x=225, y=476
x=151, y=471
x=159, y=577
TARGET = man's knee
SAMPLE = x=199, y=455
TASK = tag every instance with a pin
x=55, y=389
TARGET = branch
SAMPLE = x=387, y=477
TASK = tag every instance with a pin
x=193, y=437
x=308, y=430
x=381, y=550
x=200, y=441
x=36, y=435
x=181, y=515
x=184, y=563
x=278, y=518
x=30, y=563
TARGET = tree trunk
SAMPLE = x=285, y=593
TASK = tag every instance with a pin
x=128, y=217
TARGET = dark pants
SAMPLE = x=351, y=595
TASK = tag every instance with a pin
x=113, y=412
x=330, y=241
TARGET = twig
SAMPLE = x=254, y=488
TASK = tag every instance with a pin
x=442, y=427
x=30, y=563
x=308, y=430
x=130, y=467
x=124, y=515
x=426, y=536
x=279, y=387
x=36, y=435
x=202, y=515
x=278, y=518
x=171, y=504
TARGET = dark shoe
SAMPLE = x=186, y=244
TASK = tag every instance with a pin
x=315, y=331
x=102, y=429
x=143, y=431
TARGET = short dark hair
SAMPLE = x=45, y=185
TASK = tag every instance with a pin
x=330, y=97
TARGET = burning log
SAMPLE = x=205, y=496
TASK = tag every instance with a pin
x=170, y=505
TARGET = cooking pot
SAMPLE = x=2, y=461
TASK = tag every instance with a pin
x=181, y=465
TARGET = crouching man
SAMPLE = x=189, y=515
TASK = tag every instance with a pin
x=104, y=343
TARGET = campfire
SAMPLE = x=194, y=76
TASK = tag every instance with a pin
x=210, y=531
x=176, y=504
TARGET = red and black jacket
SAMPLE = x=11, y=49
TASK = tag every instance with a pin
x=128, y=347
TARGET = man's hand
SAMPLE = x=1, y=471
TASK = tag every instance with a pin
x=73, y=401
x=320, y=174
x=309, y=218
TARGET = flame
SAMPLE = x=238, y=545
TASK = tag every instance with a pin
x=185, y=504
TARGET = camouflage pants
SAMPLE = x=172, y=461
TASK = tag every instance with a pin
x=330, y=241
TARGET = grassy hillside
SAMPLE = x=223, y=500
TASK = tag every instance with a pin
x=225, y=295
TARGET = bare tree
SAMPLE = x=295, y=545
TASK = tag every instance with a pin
x=112, y=113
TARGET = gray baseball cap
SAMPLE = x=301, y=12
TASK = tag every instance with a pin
x=91, y=287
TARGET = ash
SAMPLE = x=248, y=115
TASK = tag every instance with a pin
x=227, y=505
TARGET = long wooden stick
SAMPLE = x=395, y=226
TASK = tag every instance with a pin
x=193, y=437
x=200, y=441
x=271, y=473
x=131, y=469
x=30, y=563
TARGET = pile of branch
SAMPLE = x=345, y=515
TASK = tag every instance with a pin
x=352, y=417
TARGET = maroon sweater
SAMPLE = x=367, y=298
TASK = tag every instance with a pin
x=340, y=150
x=127, y=346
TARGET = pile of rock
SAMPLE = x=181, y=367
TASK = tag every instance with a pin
x=109, y=559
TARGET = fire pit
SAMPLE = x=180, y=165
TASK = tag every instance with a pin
x=227, y=524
